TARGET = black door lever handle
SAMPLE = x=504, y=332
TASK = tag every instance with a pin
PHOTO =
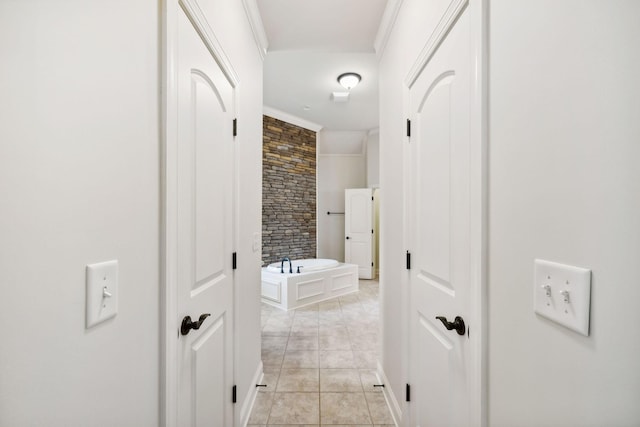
x=457, y=324
x=188, y=325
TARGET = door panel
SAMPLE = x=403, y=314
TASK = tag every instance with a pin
x=439, y=206
x=209, y=174
x=359, y=211
x=205, y=160
x=434, y=387
x=207, y=354
x=433, y=179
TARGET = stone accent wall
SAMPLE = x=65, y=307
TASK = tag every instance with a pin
x=288, y=191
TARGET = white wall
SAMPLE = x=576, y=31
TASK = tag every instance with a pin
x=79, y=184
x=373, y=159
x=564, y=186
x=335, y=174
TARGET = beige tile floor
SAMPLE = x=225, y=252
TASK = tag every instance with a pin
x=320, y=363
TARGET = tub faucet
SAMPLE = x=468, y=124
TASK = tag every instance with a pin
x=282, y=265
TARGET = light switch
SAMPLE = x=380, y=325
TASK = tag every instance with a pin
x=562, y=293
x=102, y=292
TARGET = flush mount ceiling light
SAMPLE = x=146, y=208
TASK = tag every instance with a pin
x=349, y=80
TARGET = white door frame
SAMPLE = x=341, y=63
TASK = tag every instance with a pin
x=478, y=163
x=168, y=190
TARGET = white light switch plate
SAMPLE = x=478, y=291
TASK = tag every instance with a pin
x=102, y=292
x=562, y=293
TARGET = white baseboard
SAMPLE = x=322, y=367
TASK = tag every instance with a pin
x=392, y=402
x=250, y=398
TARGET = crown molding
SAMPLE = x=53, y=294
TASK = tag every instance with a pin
x=448, y=20
x=386, y=25
x=257, y=27
x=290, y=118
x=194, y=13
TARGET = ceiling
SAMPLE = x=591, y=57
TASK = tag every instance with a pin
x=310, y=43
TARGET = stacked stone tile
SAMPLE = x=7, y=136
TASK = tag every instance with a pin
x=288, y=191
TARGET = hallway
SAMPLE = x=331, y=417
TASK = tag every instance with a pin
x=99, y=155
x=319, y=364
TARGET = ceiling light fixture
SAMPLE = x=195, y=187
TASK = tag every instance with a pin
x=349, y=80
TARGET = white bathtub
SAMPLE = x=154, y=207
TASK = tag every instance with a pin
x=318, y=280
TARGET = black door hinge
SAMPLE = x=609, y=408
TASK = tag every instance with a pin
x=371, y=197
x=233, y=395
x=234, y=261
x=409, y=128
x=408, y=260
x=371, y=264
x=372, y=231
x=235, y=127
x=408, y=393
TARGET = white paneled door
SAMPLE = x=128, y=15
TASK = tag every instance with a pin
x=440, y=208
x=205, y=223
x=358, y=228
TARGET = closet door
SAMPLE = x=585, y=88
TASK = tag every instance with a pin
x=440, y=224
x=358, y=230
x=204, y=160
